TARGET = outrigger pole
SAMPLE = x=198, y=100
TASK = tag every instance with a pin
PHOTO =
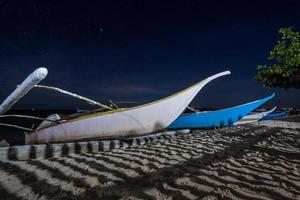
x=90, y=101
x=29, y=117
x=26, y=117
x=17, y=127
x=33, y=79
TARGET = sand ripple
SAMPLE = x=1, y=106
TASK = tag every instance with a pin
x=242, y=162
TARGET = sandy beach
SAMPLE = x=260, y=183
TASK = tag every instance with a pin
x=260, y=161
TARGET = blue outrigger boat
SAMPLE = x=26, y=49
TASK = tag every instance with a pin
x=273, y=116
x=218, y=118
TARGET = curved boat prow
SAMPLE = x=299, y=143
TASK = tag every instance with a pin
x=274, y=116
x=193, y=90
x=270, y=111
x=185, y=97
x=198, y=86
x=207, y=80
x=268, y=98
x=253, y=117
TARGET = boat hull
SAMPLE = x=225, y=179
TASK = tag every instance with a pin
x=219, y=118
x=273, y=116
x=254, y=117
x=121, y=123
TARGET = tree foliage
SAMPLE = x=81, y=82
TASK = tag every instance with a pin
x=285, y=69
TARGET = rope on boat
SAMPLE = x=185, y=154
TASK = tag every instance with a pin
x=113, y=104
x=90, y=101
x=17, y=127
x=29, y=117
x=192, y=109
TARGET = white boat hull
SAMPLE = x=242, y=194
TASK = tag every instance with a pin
x=254, y=117
x=135, y=121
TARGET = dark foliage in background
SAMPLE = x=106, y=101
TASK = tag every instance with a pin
x=285, y=71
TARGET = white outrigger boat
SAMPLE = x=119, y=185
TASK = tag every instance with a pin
x=254, y=117
x=115, y=123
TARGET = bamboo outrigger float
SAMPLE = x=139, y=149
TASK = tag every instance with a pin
x=33, y=79
x=22, y=89
x=118, y=123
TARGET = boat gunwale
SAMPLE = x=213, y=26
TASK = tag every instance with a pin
x=225, y=109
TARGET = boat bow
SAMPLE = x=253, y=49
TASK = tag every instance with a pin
x=254, y=117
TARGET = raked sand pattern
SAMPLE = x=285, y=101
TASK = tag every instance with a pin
x=243, y=162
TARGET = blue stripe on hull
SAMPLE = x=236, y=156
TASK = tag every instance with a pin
x=223, y=117
x=275, y=116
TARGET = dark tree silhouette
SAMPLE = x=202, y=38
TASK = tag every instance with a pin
x=285, y=69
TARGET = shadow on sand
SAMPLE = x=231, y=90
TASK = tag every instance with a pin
x=244, y=162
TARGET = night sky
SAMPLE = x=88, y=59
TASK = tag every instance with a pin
x=140, y=51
